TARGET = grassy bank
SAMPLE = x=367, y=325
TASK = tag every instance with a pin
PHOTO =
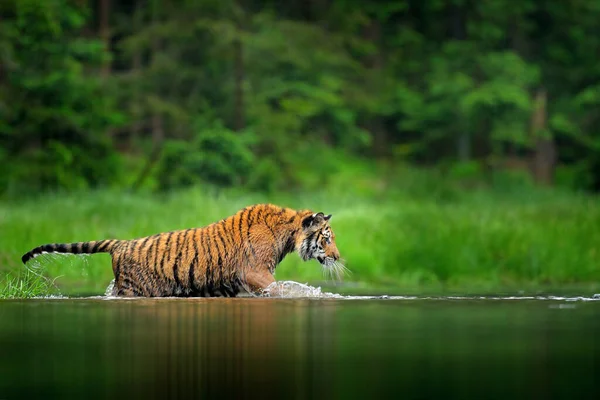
x=404, y=239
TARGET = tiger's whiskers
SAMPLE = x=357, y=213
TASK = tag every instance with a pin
x=337, y=269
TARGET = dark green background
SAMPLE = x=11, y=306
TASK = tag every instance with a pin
x=274, y=95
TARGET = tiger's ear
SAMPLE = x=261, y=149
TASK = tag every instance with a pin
x=327, y=217
x=313, y=220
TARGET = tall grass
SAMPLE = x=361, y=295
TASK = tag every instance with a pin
x=391, y=234
x=25, y=284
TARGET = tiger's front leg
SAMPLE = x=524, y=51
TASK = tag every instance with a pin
x=259, y=280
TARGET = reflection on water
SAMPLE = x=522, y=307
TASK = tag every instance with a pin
x=299, y=348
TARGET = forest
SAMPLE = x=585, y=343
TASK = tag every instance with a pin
x=454, y=141
x=272, y=95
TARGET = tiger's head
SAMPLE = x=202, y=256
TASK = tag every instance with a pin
x=317, y=241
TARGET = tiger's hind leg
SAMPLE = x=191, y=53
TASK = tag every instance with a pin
x=127, y=282
x=127, y=287
x=125, y=292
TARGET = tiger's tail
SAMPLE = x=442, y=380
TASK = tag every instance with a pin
x=100, y=246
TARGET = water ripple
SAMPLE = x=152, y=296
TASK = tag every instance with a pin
x=296, y=290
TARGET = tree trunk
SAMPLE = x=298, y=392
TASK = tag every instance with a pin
x=544, y=158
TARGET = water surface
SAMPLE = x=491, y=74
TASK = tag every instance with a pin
x=446, y=348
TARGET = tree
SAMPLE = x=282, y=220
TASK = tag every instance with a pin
x=52, y=127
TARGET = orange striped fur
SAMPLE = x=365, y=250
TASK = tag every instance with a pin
x=237, y=253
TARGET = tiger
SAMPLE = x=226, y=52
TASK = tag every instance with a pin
x=238, y=254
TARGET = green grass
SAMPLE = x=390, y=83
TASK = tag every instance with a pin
x=395, y=236
x=25, y=284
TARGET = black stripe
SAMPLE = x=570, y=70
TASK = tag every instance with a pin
x=219, y=261
x=130, y=247
x=61, y=248
x=179, y=235
x=222, y=280
x=289, y=246
x=117, y=263
x=191, y=276
x=204, y=259
x=128, y=282
x=274, y=247
x=241, y=220
x=149, y=252
x=310, y=237
x=207, y=257
x=226, y=237
x=231, y=227
x=85, y=247
x=251, y=216
x=102, y=245
x=47, y=247
x=155, y=256
x=95, y=247
x=272, y=231
x=167, y=248
x=248, y=237
x=251, y=247
x=319, y=236
x=175, y=271
x=141, y=248
x=111, y=245
x=178, y=259
x=257, y=217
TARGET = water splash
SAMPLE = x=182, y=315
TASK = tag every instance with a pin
x=296, y=290
x=110, y=289
x=36, y=267
x=291, y=289
x=45, y=261
x=39, y=266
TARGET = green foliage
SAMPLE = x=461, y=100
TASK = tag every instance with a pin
x=53, y=110
x=215, y=155
x=435, y=83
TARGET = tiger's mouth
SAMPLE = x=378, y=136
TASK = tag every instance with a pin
x=327, y=262
x=334, y=268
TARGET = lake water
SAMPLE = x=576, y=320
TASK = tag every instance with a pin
x=368, y=348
